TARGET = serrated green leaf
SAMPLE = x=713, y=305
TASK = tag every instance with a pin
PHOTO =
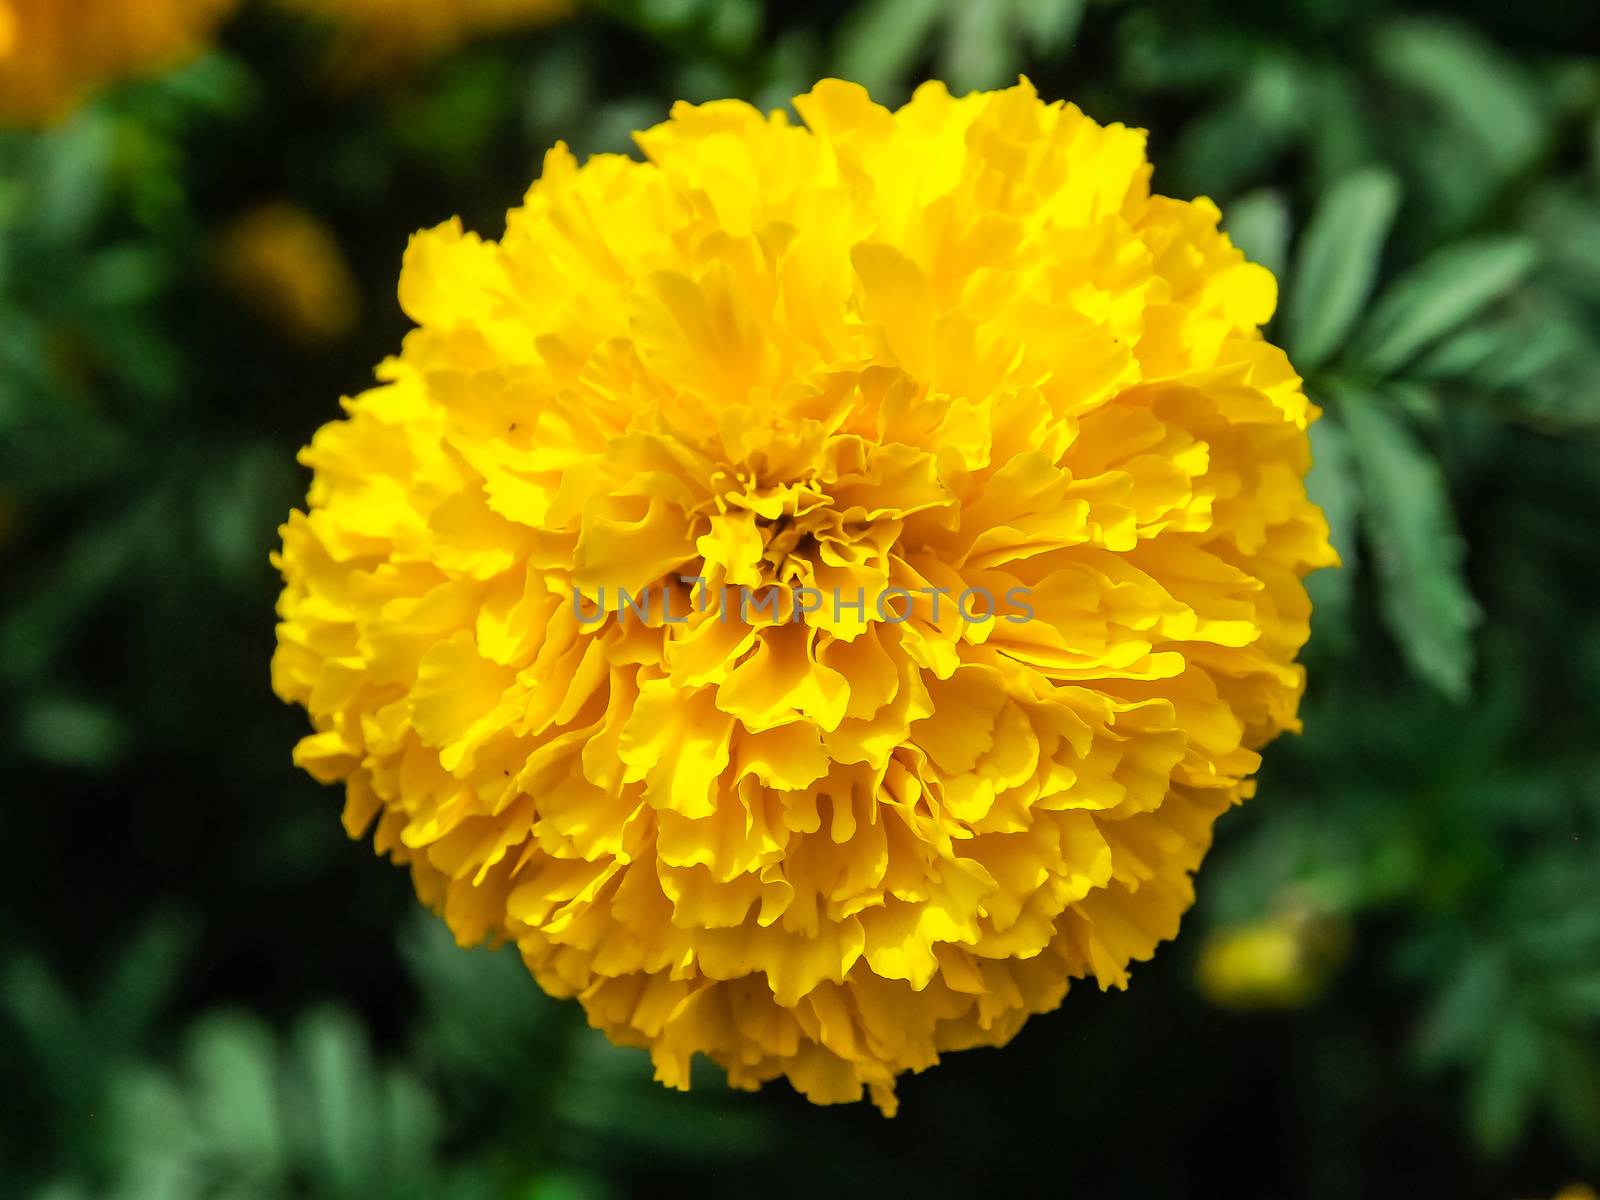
x=1337, y=264
x=1439, y=296
x=1417, y=550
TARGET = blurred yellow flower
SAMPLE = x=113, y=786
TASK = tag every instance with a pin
x=55, y=52
x=287, y=266
x=375, y=34
x=1577, y=1191
x=814, y=590
x=1282, y=961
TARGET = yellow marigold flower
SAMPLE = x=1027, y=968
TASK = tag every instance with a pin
x=54, y=52
x=867, y=377
x=1282, y=961
x=286, y=264
x=380, y=33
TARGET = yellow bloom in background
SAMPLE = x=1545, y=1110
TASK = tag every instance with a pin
x=286, y=265
x=376, y=34
x=53, y=53
x=1282, y=961
x=809, y=813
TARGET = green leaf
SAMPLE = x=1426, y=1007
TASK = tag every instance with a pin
x=1049, y=25
x=881, y=40
x=147, y=971
x=1463, y=1013
x=733, y=26
x=607, y=1095
x=1231, y=145
x=72, y=184
x=1417, y=550
x=40, y=628
x=1471, y=85
x=979, y=49
x=73, y=732
x=1503, y=1092
x=1337, y=264
x=153, y=1129
x=1333, y=486
x=486, y=1015
x=215, y=82
x=1258, y=223
x=1574, y=997
x=41, y=1010
x=341, y=1088
x=1344, y=133
x=411, y=1123
x=1574, y=1088
x=560, y=87
x=1158, y=55
x=790, y=67
x=1566, y=223
x=233, y=1059
x=1439, y=296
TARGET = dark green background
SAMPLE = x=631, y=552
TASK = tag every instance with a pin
x=205, y=990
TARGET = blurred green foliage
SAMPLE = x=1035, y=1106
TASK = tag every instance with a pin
x=205, y=991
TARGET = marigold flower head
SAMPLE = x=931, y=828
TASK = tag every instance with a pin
x=380, y=34
x=886, y=357
x=286, y=264
x=54, y=52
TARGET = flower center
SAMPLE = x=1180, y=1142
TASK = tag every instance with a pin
x=791, y=545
